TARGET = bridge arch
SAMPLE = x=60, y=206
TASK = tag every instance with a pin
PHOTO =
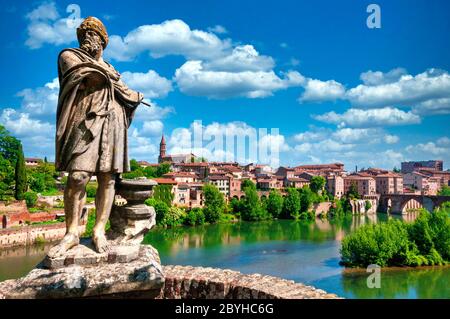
x=411, y=205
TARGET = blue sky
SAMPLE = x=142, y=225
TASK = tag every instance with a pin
x=335, y=89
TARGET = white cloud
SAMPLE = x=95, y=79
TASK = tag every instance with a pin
x=317, y=90
x=151, y=83
x=171, y=37
x=354, y=135
x=386, y=116
x=407, y=91
x=243, y=57
x=192, y=79
x=141, y=147
x=41, y=100
x=46, y=26
x=391, y=139
x=38, y=137
x=21, y=124
x=443, y=141
x=152, y=128
x=432, y=107
x=372, y=78
x=232, y=141
x=219, y=29
x=155, y=112
x=429, y=148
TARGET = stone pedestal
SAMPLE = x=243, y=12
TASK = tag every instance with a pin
x=127, y=268
x=142, y=277
x=130, y=222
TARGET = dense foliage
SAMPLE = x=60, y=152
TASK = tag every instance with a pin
x=426, y=241
x=9, y=149
x=275, y=203
x=214, y=203
x=163, y=193
x=20, y=175
x=148, y=172
x=251, y=208
x=444, y=191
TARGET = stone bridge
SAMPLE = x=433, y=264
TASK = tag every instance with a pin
x=402, y=203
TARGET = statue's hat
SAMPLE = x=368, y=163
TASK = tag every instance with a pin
x=93, y=23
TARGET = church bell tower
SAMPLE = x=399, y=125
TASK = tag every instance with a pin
x=162, y=149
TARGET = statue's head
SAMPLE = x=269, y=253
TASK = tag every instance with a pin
x=92, y=36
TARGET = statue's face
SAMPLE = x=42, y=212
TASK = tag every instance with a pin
x=92, y=43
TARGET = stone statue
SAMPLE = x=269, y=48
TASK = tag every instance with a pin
x=95, y=109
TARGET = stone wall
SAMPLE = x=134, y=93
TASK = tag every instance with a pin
x=28, y=235
x=14, y=206
x=359, y=206
x=186, y=282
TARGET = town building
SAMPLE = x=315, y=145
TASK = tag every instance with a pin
x=365, y=185
x=335, y=185
x=387, y=182
x=418, y=182
x=32, y=161
x=408, y=167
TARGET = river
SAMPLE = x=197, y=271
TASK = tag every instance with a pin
x=306, y=252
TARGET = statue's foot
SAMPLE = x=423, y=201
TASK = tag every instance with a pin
x=70, y=240
x=101, y=243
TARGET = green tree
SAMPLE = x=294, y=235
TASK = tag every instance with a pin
x=251, y=208
x=247, y=183
x=275, y=203
x=307, y=198
x=30, y=198
x=134, y=166
x=444, y=191
x=162, y=169
x=291, y=204
x=317, y=184
x=9, y=148
x=163, y=193
x=20, y=175
x=353, y=191
x=214, y=203
x=9, y=145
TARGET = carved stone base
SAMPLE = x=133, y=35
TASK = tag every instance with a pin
x=130, y=223
x=85, y=254
x=143, y=276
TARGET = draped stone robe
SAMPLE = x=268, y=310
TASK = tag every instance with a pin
x=95, y=109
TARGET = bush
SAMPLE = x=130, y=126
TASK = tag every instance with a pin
x=30, y=198
x=251, y=208
x=275, y=203
x=91, y=190
x=174, y=217
x=291, y=204
x=161, y=209
x=383, y=244
x=195, y=217
x=214, y=203
x=395, y=243
x=368, y=205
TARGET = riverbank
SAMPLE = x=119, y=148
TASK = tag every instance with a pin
x=33, y=234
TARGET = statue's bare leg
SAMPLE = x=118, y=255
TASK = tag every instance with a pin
x=103, y=204
x=74, y=196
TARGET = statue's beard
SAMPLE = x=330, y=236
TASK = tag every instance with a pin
x=91, y=46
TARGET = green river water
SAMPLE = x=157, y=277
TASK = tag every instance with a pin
x=306, y=252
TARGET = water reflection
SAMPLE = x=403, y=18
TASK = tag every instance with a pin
x=424, y=283
x=306, y=252
x=18, y=261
